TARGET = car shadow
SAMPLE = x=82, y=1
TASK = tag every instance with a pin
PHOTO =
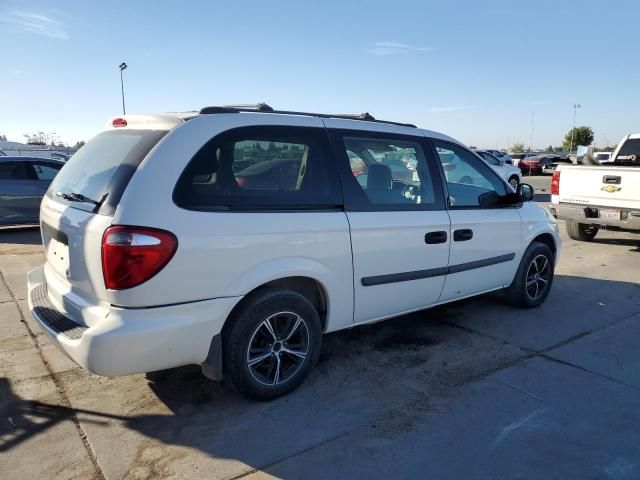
x=363, y=373
x=629, y=242
x=24, y=235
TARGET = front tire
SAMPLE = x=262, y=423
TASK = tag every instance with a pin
x=533, y=280
x=514, y=182
x=581, y=231
x=272, y=344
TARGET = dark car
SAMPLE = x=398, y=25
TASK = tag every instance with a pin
x=534, y=165
x=23, y=183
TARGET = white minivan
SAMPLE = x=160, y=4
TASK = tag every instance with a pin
x=234, y=237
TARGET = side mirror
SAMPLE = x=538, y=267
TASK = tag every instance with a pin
x=526, y=192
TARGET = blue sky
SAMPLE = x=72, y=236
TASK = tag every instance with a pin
x=474, y=70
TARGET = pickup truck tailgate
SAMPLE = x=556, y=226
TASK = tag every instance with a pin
x=617, y=187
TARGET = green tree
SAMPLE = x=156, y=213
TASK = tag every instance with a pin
x=518, y=148
x=581, y=136
x=79, y=145
x=549, y=149
x=3, y=138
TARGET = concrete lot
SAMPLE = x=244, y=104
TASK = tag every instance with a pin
x=474, y=389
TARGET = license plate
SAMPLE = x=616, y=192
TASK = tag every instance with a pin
x=607, y=214
x=58, y=255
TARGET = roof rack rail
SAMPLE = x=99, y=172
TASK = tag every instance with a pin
x=264, y=108
x=245, y=107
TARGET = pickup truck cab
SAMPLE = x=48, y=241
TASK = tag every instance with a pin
x=234, y=237
x=591, y=197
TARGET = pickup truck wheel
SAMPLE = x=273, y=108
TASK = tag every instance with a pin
x=534, y=277
x=272, y=344
x=581, y=231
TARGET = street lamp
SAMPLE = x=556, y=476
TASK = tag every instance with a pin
x=575, y=109
x=122, y=67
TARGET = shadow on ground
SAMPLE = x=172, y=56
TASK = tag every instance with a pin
x=29, y=235
x=391, y=368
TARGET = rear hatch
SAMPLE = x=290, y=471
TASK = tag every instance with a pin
x=78, y=208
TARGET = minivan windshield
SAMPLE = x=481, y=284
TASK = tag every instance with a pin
x=101, y=169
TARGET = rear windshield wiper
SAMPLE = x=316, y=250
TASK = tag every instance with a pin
x=78, y=197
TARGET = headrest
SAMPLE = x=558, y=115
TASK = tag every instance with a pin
x=379, y=178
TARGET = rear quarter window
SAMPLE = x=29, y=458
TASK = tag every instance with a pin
x=102, y=168
x=261, y=168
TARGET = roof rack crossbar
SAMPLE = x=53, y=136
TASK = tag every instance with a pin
x=264, y=108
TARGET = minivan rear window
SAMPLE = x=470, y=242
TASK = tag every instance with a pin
x=101, y=169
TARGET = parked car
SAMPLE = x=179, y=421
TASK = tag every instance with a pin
x=23, y=183
x=517, y=157
x=156, y=256
x=500, y=155
x=534, y=165
x=591, y=197
x=549, y=167
x=508, y=172
x=603, y=157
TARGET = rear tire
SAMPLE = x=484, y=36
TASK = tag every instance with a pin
x=581, y=231
x=272, y=344
x=533, y=280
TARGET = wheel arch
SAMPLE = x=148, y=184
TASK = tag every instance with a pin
x=548, y=240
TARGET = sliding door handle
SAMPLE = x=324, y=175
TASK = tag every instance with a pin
x=462, y=235
x=435, y=237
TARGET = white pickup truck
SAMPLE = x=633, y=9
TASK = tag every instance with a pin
x=591, y=197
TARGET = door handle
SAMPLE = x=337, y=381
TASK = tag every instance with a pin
x=462, y=235
x=435, y=237
x=611, y=179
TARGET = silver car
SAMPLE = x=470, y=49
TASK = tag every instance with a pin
x=23, y=183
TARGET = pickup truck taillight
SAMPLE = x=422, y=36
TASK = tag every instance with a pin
x=132, y=255
x=555, y=183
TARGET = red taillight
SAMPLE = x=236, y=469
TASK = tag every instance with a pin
x=132, y=255
x=119, y=122
x=241, y=181
x=555, y=183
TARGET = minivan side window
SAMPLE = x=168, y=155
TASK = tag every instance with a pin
x=387, y=172
x=261, y=167
x=470, y=182
x=13, y=171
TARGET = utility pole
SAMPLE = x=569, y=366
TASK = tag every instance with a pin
x=575, y=109
x=122, y=67
x=531, y=137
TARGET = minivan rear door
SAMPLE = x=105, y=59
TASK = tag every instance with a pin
x=78, y=207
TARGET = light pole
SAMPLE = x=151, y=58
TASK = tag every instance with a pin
x=122, y=67
x=531, y=137
x=575, y=109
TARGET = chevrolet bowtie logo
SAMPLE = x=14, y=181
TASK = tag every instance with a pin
x=611, y=188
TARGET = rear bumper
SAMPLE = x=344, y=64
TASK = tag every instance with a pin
x=588, y=214
x=128, y=341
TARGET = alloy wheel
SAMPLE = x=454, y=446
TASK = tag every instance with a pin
x=538, y=276
x=278, y=348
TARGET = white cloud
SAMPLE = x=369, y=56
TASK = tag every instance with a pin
x=32, y=22
x=392, y=48
x=456, y=108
